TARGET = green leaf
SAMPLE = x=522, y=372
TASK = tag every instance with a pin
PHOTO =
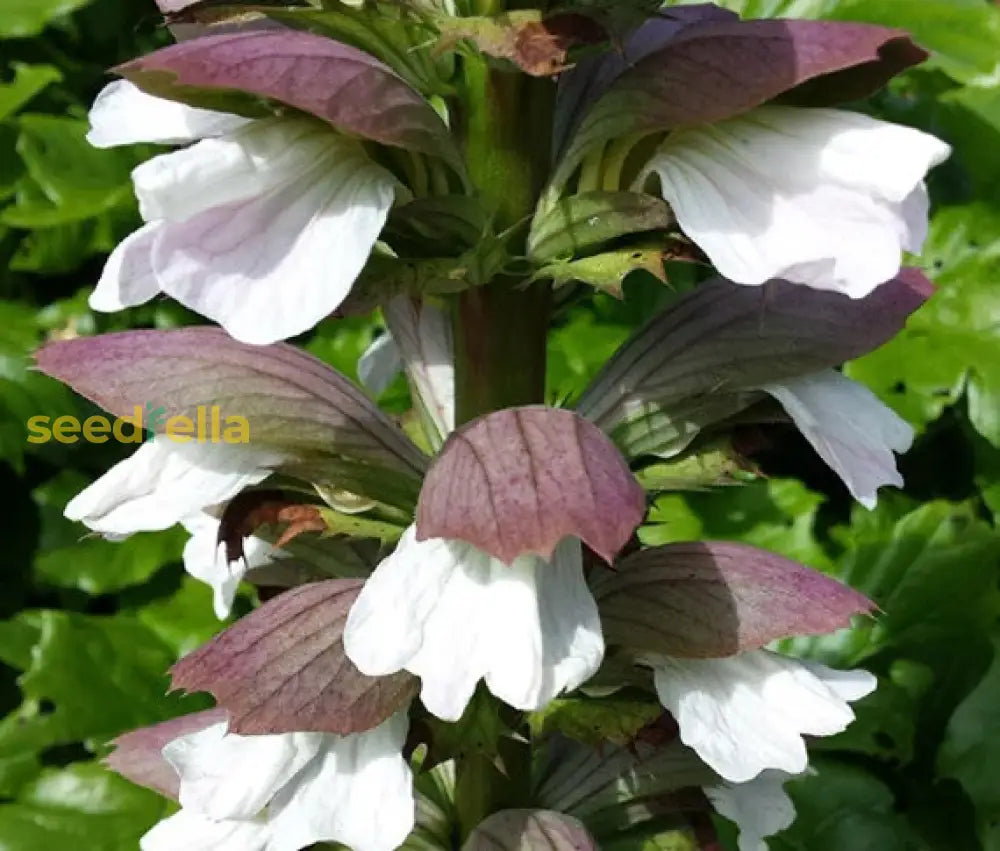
x=929, y=574
x=16, y=770
x=969, y=117
x=841, y=806
x=24, y=393
x=83, y=805
x=776, y=515
x=22, y=18
x=89, y=679
x=11, y=167
x=970, y=752
x=18, y=638
x=885, y=725
x=340, y=344
x=94, y=565
x=987, y=460
x=949, y=345
x=76, y=181
x=60, y=249
x=933, y=572
x=28, y=81
x=578, y=350
x=183, y=620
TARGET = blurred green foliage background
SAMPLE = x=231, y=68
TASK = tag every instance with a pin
x=88, y=628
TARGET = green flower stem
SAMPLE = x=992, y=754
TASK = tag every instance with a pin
x=500, y=332
x=501, y=328
x=500, y=348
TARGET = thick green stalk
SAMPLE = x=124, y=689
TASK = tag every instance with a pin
x=500, y=332
x=501, y=328
x=500, y=348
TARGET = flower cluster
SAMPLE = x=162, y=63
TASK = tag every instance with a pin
x=430, y=595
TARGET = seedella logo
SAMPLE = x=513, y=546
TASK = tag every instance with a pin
x=208, y=425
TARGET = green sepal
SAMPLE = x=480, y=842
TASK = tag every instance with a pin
x=581, y=224
x=359, y=526
x=617, y=719
x=712, y=464
x=607, y=271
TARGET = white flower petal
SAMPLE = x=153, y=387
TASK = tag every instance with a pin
x=227, y=776
x=358, y=792
x=425, y=343
x=847, y=685
x=258, y=158
x=388, y=623
x=748, y=713
x=547, y=636
x=452, y=615
x=818, y=196
x=165, y=482
x=128, y=278
x=916, y=214
x=274, y=265
x=205, y=559
x=759, y=808
x=379, y=365
x=849, y=427
x=191, y=831
x=123, y=114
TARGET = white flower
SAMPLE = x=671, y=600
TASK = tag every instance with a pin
x=452, y=615
x=286, y=792
x=748, y=713
x=165, y=482
x=821, y=197
x=419, y=340
x=205, y=559
x=759, y=808
x=849, y=427
x=262, y=226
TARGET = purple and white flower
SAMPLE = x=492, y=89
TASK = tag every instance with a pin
x=452, y=614
x=288, y=791
x=260, y=225
x=821, y=197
